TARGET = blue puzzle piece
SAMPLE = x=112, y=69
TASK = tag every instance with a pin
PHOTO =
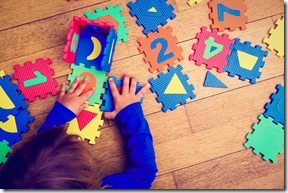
x=16, y=98
x=275, y=108
x=233, y=68
x=212, y=81
x=151, y=13
x=108, y=101
x=22, y=118
x=170, y=100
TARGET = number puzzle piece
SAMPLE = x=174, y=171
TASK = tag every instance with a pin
x=11, y=100
x=30, y=79
x=108, y=101
x=192, y=2
x=160, y=49
x=275, y=108
x=4, y=151
x=227, y=14
x=275, y=41
x=113, y=15
x=96, y=79
x=172, y=88
x=151, y=13
x=11, y=129
x=245, y=61
x=212, y=81
x=86, y=124
x=267, y=138
x=211, y=49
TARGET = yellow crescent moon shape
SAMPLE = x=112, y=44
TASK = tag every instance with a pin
x=5, y=102
x=10, y=125
x=96, y=49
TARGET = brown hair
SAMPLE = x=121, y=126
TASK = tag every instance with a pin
x=51, y=159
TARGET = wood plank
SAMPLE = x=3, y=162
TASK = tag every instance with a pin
x=165, y=181
x=241, y=170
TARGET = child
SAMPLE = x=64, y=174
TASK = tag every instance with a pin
x=52, y=159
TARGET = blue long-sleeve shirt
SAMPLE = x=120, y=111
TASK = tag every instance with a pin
x=141, y=169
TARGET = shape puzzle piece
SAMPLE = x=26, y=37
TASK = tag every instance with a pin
x=113, y=15
x=267, y=139
x=275, y=108
x=108, y=101
x=85, y=125
x=2, y=73
x=11, y=99
x=192, y=2
x=4, y=151
x=30, y=72
x=160, y=49
x=96, y=79
x=227, y=14
x=172, y=88
x=245, y=61
x=211, y=49
x=151, y=13
x=275, y=41
x=212, y=81
x=11, y=129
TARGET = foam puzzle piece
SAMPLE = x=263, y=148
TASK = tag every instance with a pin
x=211, y=49
x=28, y=73
x=192, y=2
x=275, y=41
x=108, y=101
x=245, y=61
x=90, y=42
x=160, y=49
x=90, y=130
x=267, y=138
x=11, y=99
x=2, y=73
x=275, y=108
x=227, y=14
x=172, y=88
x=96, y=79
x=112, y=14
x=4, y=151
x=12, y=129
x=151, y=13
x=212, y=81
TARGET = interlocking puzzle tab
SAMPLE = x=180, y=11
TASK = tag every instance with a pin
x=211, y=49
x=192, y=2
x=4, y=151
x=275, y=41
x=36, y=79
x=245, y=61
x=212, y=81
x=96, y=79
x=172, y=88
x=227, y=14
x=267, y=138
x=275, y=108
x=112, y=15
x=151, y=13
x=86, y=124
x=90, y=42
x=160, y=49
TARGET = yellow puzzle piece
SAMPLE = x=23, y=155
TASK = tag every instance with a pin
x=2, y=73
x=192, y=2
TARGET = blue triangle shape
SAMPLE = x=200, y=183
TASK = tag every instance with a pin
x=213, y=48
x=212, y=81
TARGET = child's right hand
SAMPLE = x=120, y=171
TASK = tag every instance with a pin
x=127, y=97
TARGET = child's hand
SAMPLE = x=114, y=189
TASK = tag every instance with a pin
x=127, y=97
x=73, y=99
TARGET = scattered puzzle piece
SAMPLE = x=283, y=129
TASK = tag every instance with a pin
x=267, y=138
x=160, y=49
x=172, y=88
x=275, y=108
x=275, y=41
x=86, y=124
x=2, y=73
x=212, y=81
x=113, y=15
x=151, y=13
x=192, y=2
x=245, y=61
x=4, y=151
x=227, y=14
x=211, y=49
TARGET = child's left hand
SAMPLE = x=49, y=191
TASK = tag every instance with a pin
x=74, y=99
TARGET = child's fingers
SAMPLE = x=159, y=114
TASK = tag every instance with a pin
x=143, y=90
x=74, y=85
x=83, y=106
x=62, y=90
x=87, y=94
x=81, y=87
x=110, y=115
x=125, y=87
x=132, y=86
x=113, y=88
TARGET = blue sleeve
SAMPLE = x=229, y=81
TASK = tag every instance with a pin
x=142, y=168
x=59, y=115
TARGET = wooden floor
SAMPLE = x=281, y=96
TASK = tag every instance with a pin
x=199, y=145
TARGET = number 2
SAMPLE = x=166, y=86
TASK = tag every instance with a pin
x=164, y=44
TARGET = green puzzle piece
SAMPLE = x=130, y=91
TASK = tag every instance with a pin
x=267, y=139
x=4, y=150
x=39, y=79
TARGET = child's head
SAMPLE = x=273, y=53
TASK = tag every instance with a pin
x=51, y=159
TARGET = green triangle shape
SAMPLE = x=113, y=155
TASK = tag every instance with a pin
x=212, y=48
